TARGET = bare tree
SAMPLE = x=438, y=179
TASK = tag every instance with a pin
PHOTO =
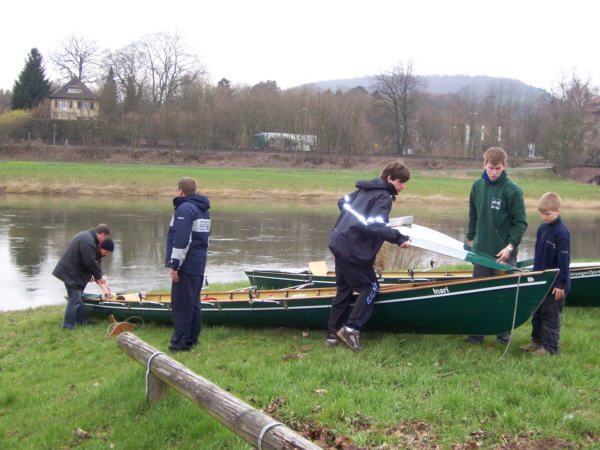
x=572, y=127
x=167, y=65
x=129, y=74
x=398, y=91
x=78, y=58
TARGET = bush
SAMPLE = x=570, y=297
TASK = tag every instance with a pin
x=15, y=124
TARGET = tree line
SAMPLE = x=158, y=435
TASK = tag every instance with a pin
x=154, y=92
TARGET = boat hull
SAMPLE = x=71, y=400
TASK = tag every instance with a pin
x=585, y=280
x=474, y=306
x=585, y=286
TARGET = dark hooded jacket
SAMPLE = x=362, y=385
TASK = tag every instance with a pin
x=80, y=260
x=363, y=223
x=553, y=251
x=187, y=239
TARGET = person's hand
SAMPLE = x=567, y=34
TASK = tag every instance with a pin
x=504, y=254
x=405, y=244
x=106, y=290
x=174, y=275
x=559, y=294
x=403, y=241
x=102, y=280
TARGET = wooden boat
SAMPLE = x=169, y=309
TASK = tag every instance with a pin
x=470, y=306
x=585, y=280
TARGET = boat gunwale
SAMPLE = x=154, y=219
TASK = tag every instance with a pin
x=210, y=298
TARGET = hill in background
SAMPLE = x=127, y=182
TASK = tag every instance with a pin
x=438, y=84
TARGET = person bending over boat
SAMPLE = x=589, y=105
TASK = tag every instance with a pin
x=187, y=245
x=80, y=263
x=356, y=238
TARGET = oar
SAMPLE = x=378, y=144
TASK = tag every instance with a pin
x=428, y=239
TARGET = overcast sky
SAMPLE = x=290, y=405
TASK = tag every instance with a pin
x=295, y=42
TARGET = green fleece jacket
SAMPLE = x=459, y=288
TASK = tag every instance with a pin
x=497, y=214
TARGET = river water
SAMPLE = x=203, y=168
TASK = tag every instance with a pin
x=34, y=231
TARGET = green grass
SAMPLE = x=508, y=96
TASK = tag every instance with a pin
x=153, y=179
x=401, y=390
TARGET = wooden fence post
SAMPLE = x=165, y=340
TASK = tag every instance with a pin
x=252, y=425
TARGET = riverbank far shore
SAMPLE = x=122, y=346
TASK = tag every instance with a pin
x=444, y=187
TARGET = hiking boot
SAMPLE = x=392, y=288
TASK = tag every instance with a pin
x=541, y=351
x=531, y=347
x=349, y=337
x=331, y=340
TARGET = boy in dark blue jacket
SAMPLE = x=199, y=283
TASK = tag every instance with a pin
x=358, y=235
x=187, y=245
x=552, y=250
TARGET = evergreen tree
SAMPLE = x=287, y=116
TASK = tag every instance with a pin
x=108, y=98
x=32, y=86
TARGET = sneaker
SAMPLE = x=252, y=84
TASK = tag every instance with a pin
x=531, y=347
x=541, y=351
x=474, y=339
x=349, y=337
x=331, y=341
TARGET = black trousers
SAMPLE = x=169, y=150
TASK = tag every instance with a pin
x=350, y=278
x=546, y=323
x=186, y=310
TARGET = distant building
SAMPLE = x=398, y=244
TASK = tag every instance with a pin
x=285, y=141
x=73, y=101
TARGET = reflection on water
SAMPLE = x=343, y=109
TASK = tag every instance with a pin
x=35, y=232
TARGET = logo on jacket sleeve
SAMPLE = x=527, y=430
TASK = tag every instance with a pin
x=201, y=225
x=496, y=203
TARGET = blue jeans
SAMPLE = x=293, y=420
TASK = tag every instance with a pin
x=75, y=311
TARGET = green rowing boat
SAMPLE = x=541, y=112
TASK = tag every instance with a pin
x=469, y=306
x=585, y=280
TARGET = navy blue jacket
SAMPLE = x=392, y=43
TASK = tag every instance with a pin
x=553, y=251
x=363, y=223
x=187, y=239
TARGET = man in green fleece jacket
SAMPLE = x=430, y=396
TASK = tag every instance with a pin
x=497, y=218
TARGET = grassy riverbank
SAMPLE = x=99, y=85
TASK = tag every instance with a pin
x=111, y=180
x=402, y=390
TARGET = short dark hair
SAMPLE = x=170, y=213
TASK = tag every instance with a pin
x=187, y=185
x=397, y=170
x=102, y=229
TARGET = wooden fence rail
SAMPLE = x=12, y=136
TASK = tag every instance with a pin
x=250, y=424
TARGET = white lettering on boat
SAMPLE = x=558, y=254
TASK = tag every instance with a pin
x=443, y=290
x=585, y=273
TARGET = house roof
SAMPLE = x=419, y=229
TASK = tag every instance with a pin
x=74, y=90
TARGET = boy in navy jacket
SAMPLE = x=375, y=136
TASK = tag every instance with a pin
x=356, y=238
x=552, y=250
